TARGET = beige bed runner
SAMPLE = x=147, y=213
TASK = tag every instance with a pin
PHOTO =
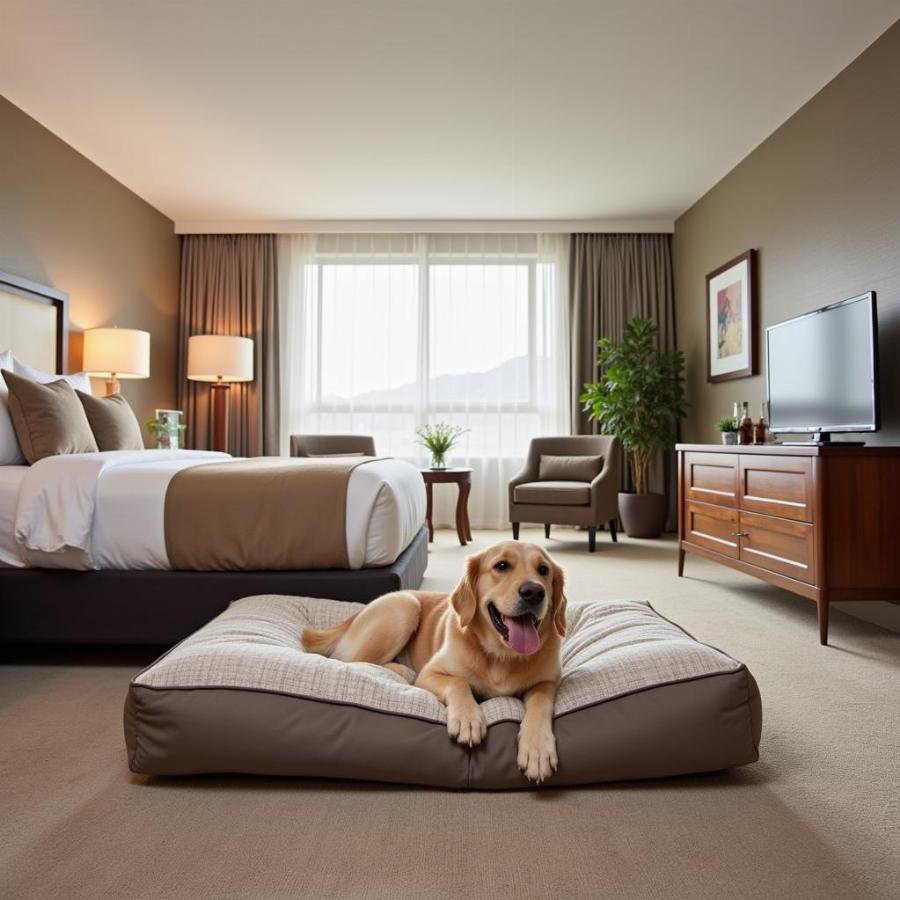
x=263, y=514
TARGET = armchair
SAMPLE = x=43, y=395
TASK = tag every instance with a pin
x=568, y=502
x=332, y=445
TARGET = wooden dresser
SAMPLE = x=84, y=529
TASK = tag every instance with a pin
x=823, y=522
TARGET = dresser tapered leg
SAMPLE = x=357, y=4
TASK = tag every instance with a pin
x=822, y=604
x=680, y=562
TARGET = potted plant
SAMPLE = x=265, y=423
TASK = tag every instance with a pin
x=168, y=433
x=725, y=426
x=438, y=440
x=639, y=398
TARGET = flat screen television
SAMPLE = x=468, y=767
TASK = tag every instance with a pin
x=822, y=370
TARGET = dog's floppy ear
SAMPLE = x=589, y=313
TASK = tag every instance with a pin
x=464, y=598
x=559, y=599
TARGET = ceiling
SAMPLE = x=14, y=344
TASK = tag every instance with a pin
x=247, y=111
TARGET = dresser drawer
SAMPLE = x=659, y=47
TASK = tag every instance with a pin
x=711, y=526
x=711, y=478
x=778, y=486
x=778, y=545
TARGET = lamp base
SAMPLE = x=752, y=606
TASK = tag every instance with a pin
x=220, y=394
x=112, y=386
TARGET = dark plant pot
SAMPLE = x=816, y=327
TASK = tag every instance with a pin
x=643, y=515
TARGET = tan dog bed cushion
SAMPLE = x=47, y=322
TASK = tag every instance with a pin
x=639, y=698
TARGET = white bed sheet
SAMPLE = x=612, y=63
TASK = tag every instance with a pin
x=106, y=510
x=10, y=482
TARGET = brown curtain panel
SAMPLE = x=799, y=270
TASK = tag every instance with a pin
x=613, y=277
x=229, y=285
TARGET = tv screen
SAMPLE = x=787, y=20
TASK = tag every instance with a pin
x=822, y=369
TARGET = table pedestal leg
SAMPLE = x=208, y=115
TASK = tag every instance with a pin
x=462, y=514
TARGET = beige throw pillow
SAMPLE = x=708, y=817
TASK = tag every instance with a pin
x=113, y=422
x=569, y=468
x=48, y=418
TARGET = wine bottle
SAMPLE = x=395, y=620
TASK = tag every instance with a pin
x=745, y=433
x=762, y=426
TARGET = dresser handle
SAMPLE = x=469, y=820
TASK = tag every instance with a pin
x=740, y=534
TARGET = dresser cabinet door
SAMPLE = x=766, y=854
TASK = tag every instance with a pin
x=713, y=527
x=778, y=545
x=777, y=486
x=711, y=478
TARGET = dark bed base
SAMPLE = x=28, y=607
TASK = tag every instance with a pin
x=162, y=607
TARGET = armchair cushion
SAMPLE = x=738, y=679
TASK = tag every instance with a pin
x=554, y=493
x=569, y=468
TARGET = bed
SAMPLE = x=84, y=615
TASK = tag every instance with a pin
x=87, y=553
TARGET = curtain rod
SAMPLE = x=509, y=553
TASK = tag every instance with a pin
x=424, y=226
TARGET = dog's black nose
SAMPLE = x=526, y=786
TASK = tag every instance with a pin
x=531, y=593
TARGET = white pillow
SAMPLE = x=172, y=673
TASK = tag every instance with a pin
x=80, y=380
x=10, y=453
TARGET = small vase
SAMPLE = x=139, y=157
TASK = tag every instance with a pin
x=729, y=438
x=438, y=461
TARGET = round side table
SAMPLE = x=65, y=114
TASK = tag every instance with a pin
x=462, y=478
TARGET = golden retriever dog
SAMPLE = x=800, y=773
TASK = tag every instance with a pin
x=498, y=634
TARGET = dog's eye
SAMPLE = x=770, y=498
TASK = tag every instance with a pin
x=501, y=566
x=543, y=570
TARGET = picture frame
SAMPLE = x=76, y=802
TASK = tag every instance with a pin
x=732, y=320
x=168, y=428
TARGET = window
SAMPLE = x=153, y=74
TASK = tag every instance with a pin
x=385, y=333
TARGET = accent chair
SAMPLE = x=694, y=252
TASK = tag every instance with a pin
x=332, y=445
x=572, y=480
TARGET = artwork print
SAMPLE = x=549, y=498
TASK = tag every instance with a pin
x=730, y=330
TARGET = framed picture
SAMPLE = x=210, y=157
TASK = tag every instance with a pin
x=731, y=319
x=166, y=427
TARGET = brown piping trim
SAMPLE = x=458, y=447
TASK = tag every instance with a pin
x=402, y=715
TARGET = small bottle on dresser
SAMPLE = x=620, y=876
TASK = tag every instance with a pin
x=762, y=426
x=745, y=430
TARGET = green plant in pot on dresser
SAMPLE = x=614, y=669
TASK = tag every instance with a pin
x=726, y=427
x=639, y=398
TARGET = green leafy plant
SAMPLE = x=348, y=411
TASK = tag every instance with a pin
x=168, y=431
x=725, y=424
x=439, y=439
x=640, y=394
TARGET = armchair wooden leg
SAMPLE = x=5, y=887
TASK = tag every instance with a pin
x=592, y=540
x=546, y=531
x=515, y=527
x=612, y=531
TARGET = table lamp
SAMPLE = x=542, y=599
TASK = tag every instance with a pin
x=114, y=353
x=220, y=359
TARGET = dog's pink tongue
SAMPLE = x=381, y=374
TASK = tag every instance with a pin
x=523, y=636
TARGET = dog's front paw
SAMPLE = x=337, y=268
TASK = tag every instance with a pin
x=537, y=757
x=467, y=725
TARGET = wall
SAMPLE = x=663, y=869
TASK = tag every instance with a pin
x=820, y=201
x=66, y=223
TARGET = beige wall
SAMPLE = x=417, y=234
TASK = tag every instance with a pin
x=66, y=223
x=820, y=201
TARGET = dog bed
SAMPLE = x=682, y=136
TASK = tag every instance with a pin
x=639, y=698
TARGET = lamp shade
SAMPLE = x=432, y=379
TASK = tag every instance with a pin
x=119, y=352
x=220, y=357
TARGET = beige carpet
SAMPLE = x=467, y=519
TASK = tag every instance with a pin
x=818, y=816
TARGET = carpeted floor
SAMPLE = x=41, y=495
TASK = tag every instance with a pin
x=817, y=816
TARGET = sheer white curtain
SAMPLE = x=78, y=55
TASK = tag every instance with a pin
x=382, y=334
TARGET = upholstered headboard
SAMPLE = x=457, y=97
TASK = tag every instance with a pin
x=33, y=323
